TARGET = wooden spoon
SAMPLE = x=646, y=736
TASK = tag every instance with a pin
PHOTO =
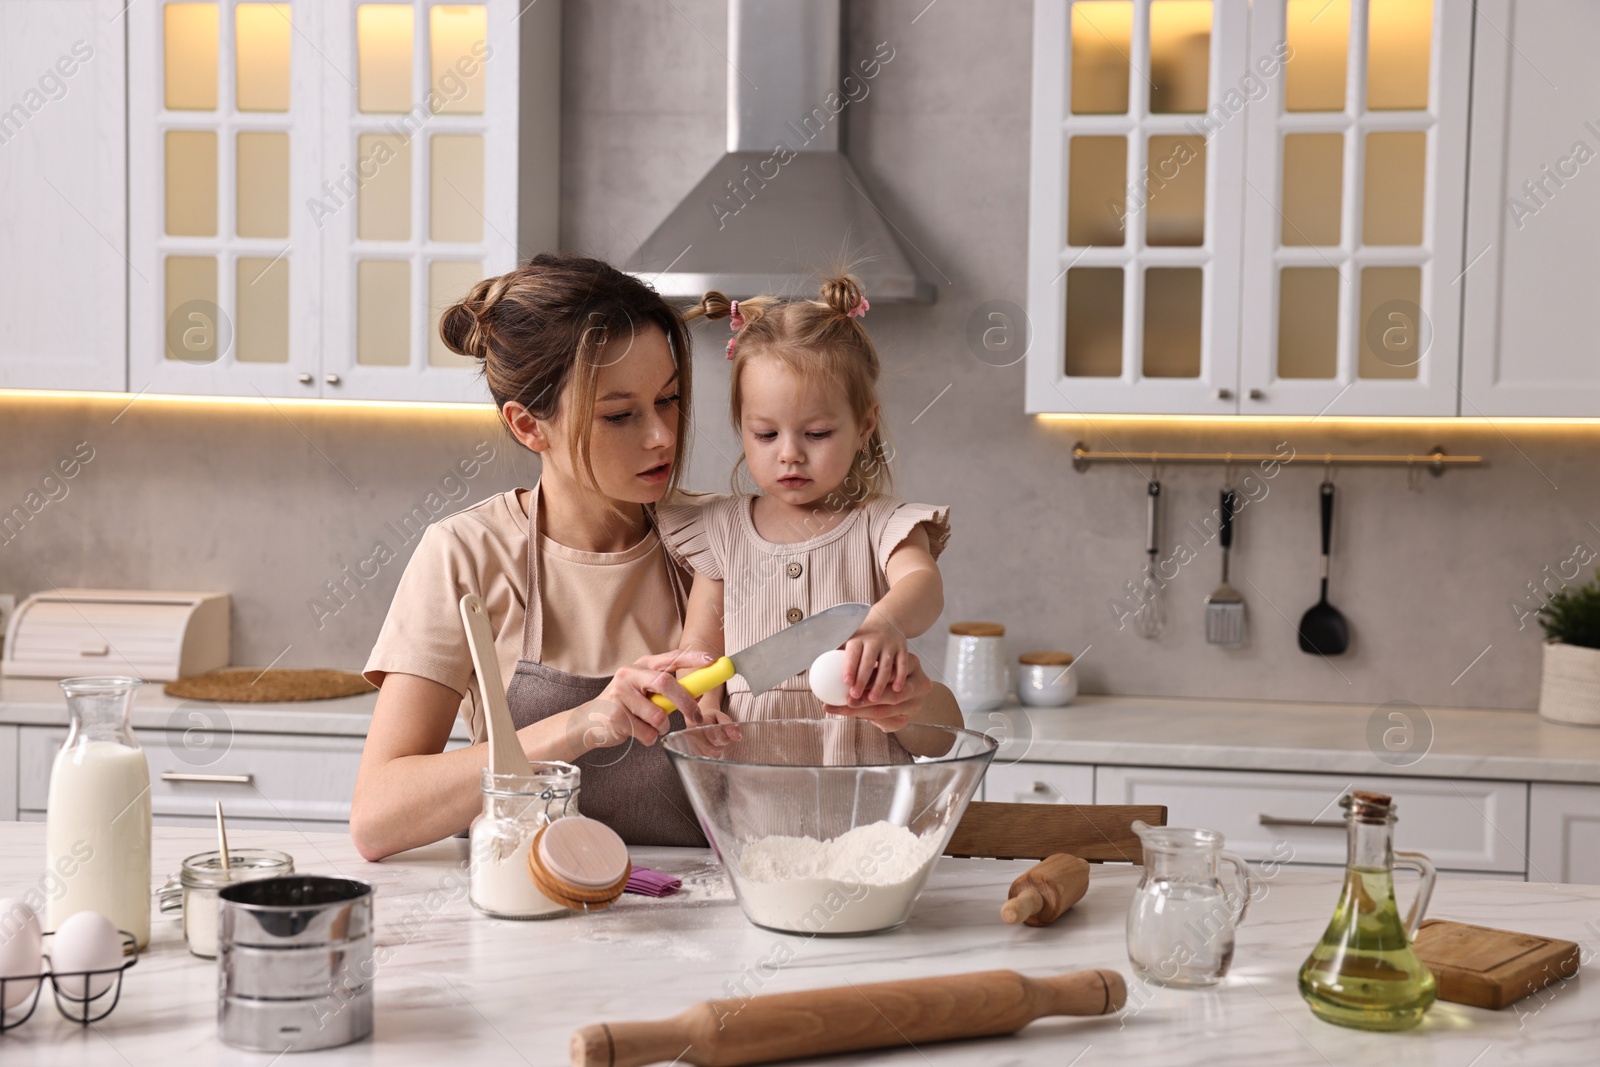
x=505, y=751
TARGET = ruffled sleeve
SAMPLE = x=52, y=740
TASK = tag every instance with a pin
x=896, y=520
x=690, y=527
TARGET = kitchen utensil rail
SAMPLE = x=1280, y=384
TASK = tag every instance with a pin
x=1435, y=461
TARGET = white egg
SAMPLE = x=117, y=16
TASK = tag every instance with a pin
x=21, y=950
x=827, y=678
x=87, y=941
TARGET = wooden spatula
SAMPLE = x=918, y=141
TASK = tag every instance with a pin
x=850, y=1018
x=505, y=751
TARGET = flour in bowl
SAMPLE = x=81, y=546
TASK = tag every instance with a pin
x=865, y=879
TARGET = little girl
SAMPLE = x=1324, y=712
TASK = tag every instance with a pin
x=822, y=532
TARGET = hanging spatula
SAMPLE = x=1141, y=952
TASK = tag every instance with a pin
x=1225, y=607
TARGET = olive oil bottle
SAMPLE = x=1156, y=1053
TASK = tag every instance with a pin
x=1364, y=973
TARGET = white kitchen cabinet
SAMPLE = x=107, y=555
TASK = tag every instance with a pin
x=1564, y=833
x=8, y=783
x=1533, y=214
x=1352, y=210
x=283, y=778
x=1461, y=824
x=1247, y=208
x=1039, y=783
x=63, y=160
x=311, y=184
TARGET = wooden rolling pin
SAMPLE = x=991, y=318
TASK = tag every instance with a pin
x=850, y=1018
x=1046, y=890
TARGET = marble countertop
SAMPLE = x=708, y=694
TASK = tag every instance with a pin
x=38, y=702
x=1285, y=736
x=462, y=988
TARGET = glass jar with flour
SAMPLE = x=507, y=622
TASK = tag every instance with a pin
x=515, y=807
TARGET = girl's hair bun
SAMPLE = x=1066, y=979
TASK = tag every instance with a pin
x=713, y=305
x=842, y=293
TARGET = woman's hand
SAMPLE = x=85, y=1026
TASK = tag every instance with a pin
x=876, y=661
x=624, y=711
x=896, y=707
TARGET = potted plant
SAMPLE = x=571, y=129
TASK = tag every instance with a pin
x=1570, y=688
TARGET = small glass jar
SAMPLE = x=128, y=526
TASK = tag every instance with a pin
x=203, y=875
x=515, y=808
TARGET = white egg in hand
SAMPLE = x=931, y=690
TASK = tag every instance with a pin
x=87, y=941
x=21, y=951
x=827, y=678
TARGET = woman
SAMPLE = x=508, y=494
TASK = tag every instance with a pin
x=590, y=369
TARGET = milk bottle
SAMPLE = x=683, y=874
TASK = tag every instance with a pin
x=97, y=827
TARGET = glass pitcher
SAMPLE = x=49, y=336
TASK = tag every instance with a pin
x=1364, y=972
x=1181, y=923
x=97, y=822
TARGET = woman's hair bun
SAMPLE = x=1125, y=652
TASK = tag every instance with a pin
x=464, y=326
x=842, y=293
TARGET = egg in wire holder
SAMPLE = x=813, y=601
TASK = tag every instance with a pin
x=81, y=1007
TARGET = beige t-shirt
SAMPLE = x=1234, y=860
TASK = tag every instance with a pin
x=602, y=610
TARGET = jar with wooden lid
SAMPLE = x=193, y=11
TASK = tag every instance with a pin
x=1046, y=679
x=515, y=808
x=975, y=665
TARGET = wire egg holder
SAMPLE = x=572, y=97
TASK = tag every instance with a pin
x=74, y=1007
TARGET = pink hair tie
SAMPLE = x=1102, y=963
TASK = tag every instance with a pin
x=859, y=310
x=735, y=319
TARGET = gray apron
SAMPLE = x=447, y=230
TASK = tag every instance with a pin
x=632, y=788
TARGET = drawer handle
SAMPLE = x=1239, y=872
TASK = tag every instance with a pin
x=1310, y=824
x=227, y=779
x=95, y=650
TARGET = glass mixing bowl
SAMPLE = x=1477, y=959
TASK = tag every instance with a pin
x=828, y=826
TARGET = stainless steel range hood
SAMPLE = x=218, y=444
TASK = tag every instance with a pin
x=783, y=205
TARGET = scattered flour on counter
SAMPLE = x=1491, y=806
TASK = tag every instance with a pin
x=862, y=880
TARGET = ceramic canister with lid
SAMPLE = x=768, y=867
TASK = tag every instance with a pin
x=975, y=665
x=295, y=963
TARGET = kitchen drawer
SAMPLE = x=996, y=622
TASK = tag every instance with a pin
x=1462, y=825
x=309, y=826
x=1566, y=834
x=1040, y=783
x=286, y=776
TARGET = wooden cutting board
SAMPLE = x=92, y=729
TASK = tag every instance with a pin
x=1490, y=968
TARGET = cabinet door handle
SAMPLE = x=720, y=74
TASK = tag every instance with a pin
x=226, y=779
x=1312, y=824
x=304, y=378
x=1257, y=394
x=331, y=379
x=1224, y=394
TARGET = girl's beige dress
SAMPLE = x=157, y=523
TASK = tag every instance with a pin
x=768, y=586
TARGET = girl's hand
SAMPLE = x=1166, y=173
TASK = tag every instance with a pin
x=624, y=711
x=876, y=662
x=897, y=707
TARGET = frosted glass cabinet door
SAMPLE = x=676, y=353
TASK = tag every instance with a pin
x=1133, y=254
x=1352, y=209
x=1533, y=215
x=63, y=223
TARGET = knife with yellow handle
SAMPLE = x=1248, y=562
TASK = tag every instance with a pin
x=779, y=657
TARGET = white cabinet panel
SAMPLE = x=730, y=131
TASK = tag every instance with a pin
x=1533, y=216
x=1039, y=783
x=63, y=223
x=1564, y=833
x=1462, y=825
x=289, y=777
x=8, y=772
